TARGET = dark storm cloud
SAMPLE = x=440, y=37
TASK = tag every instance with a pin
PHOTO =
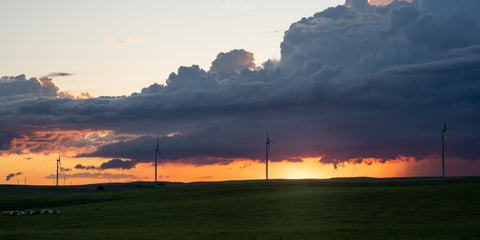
x=395, y=72
x=16, y=94
x=194, y=149
x=80, y=166
x=353, y=82
x=5, y=140
x=112, y=164
x=11, y=175
x=295, y=159
x=117, y=163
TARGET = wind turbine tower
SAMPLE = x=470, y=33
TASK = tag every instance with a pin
x=157, y=152
x=267, y=150
x=58, y=163
x=444, y=136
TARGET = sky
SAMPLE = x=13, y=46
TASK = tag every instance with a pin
x=344, y=88
x=117, y=47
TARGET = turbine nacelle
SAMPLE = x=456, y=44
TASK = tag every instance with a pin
x=157, y=152
x=59, y=165
x=444, y=130
x=268, y=141
x=267, y=150
x=157, y=148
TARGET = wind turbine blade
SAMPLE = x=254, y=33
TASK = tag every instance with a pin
x=444, y=130
x=445, y=134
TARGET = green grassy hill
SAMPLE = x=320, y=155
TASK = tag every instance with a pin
x=350, y=208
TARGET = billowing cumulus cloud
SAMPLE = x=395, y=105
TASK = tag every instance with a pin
x=391, y=74
x=355, y=84
x=19, y=86
x=66, y=94
x=357, y=4
x=84, y=95
x=231, y=63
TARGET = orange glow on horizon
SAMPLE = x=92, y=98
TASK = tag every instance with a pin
x=40, y=169
x=32, y=160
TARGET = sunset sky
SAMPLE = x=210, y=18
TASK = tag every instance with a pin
x=344, y=88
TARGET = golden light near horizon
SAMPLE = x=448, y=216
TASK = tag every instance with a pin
x=43, y=171
x=332, y=89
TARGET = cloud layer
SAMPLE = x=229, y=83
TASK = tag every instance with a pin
x=230, y=64
x=11, y=175
x=58, y=74
x=354, y=82
x=19, y=87
x=112, y=164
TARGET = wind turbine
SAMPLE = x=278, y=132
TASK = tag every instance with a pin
x=58, y=163
x=267, y=150
x=444, y=136
x=157, y=152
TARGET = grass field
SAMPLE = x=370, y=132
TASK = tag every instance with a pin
x=350, y=208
